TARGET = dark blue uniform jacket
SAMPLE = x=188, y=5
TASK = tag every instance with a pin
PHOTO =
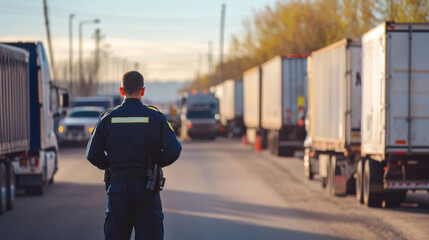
x=125, y=136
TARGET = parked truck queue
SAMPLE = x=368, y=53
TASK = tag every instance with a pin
x=358, y=109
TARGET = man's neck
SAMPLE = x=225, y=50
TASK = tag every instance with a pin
x=136, y=97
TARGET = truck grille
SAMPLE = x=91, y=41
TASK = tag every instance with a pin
x=77, y=128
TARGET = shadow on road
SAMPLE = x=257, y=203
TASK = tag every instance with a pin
x=185, y=210
x=65, y=211
x=190, y=227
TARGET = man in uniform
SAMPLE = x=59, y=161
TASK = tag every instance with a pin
x=128, y=140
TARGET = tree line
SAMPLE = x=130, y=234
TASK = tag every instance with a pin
x=304, y=26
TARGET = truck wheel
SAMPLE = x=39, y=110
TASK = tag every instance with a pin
x=308, y=169
x=359, y=181
x=395, y=199
x=372, y=177
x=11, y=189
x=3, y=188
x=287, y=151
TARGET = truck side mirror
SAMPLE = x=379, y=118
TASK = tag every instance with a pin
x=65, y=100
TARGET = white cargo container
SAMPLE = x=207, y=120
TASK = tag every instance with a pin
x=252, y=107
x=284, y=92
x=395, y=113
x=334, y=114
x=230, y=94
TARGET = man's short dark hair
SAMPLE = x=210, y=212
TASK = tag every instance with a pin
x=132, y=82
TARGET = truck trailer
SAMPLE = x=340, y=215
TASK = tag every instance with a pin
x=334, y=115
x=230, y=95
x=252, y=85
x=395, y=113
x=284, y=92
x=29, y=104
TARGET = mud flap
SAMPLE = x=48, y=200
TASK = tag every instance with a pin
x=340, y=185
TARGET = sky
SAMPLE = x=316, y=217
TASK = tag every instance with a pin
x=165, y=38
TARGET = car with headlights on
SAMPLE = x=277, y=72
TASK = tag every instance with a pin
x=78, y=124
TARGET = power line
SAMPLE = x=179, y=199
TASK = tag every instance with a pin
x=222, y=30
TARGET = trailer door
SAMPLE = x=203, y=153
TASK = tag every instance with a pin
x=408, y=91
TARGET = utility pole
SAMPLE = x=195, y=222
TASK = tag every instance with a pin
x=210, y=63
x=97, y=58
x=81, y=77
x=97, y=53
x=199, y=64
x=71, y=16
x=48, y=34
x=222, y=29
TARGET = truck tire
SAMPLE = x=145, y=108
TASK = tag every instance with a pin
x=359, y=181
x=287, y=151
x=11, y=189
x=308, y=169
x=394, y=199
x=372, y=175
x=3, y=187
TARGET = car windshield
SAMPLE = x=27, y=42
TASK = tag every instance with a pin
x=199, y=114
x=84, y=114
x=91, y=103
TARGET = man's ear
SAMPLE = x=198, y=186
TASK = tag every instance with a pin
x=142, y=91
x=121, y=89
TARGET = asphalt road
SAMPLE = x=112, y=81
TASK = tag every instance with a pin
x=216, y=190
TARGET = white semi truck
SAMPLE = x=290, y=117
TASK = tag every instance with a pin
x=29, y=105
x=334, y=113
x=284, y=93
x=395, y=113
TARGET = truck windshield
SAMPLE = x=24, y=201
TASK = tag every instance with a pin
x=84, y=114
x=199, y=114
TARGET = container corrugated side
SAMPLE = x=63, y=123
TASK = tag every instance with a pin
x=252, y=97
x=294, y=88
x=14, y=100
x=373, y=90
x=328, y=95
x=238, y=99
x=271, y=106
x=407, y=90
x=228, y=111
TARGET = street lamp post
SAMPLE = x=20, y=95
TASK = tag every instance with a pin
x=71, y=16
x=81, y=23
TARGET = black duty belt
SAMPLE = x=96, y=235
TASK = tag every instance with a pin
x=129, y=173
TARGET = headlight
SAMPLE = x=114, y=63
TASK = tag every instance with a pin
x=90, y=127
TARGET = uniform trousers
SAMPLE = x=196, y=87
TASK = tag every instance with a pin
x=128, y=206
